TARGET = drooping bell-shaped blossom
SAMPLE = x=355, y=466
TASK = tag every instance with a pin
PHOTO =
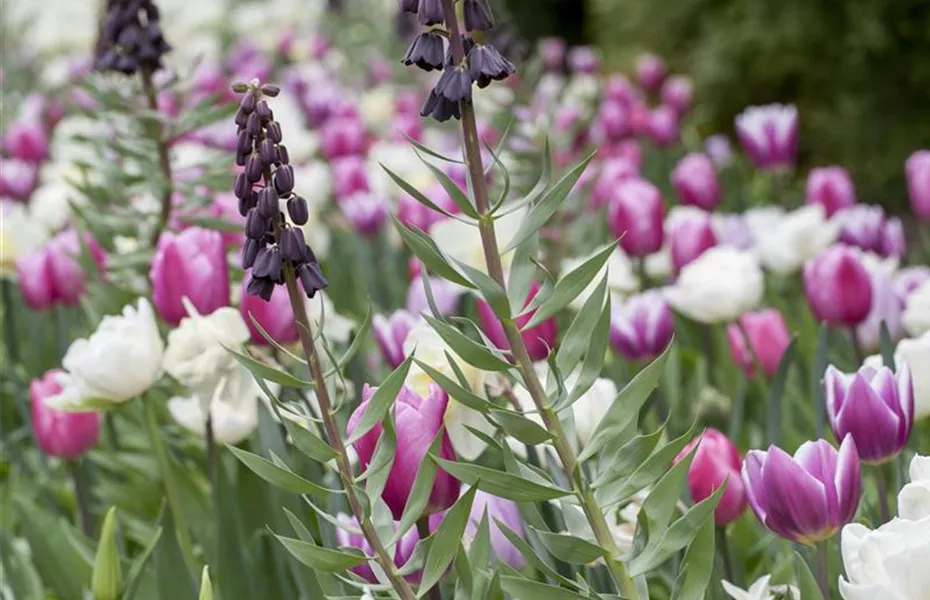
x=642, y=326
x=66, y=435
x=539, y=340
x=830, y=187
x=808, y=497
x=417, y=421
x=873, y=406
x=838, y=287
x=716, y=463
x=769, y=135
x=768, y=340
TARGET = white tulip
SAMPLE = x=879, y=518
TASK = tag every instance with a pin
x=621, y=280
x=314, y=182
x=916, y=355
x=462, y=241
x=233, y=406
x=786, y=243
x=20, y=234
x=914, y=498
x=197, y=354
x=886, y=305
x=718, y=286
x=917, y=310
x=119, y=361
x=888, y=563
x=761, y=590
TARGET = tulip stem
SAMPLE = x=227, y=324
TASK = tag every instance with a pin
x=823, y=569
x=724, y=546
x=573, y=471
x=384, y=559
x=211, y=447
x=882, y=491
x=81, y=499
x=164, y=161
x=857, y=347
x=642, y=274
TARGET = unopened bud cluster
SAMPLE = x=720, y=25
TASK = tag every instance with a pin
x=265, y=181
x=131, y=38
x=483, y=63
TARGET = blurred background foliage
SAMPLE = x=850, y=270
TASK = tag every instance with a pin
x=859, y=70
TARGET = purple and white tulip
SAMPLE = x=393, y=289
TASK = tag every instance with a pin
x=769, y=135
x=642, y=326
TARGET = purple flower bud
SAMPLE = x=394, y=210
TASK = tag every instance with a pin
x=695, y=181
x=267, y=153
x=769, y=135
x=662, y=126
x=263, y=288
x=283, y=157
x=293, y=245
x=477, y=15
x=650, y=72
x=417, y=421
x=426, y=51
x=832, y=188
x=242, y=158
x=690, y=234
x=430, y=13
x=66, y=435
x=298, y=210
x=838, y=287
x=253, y=124
x=642, y=326
x=247, y=104
x=391, y=332
x=273, y=131
x=244, y=143
x=409, y=6
x=806, y=498
x=248, y=203
x=241, y=118
x=875, y=407
x=263, y=110
x=242, y=188
x=917, y=171
x=268, y=204
x=268, y=264
x=636, y=216
x=256, y=226
x=438, y=107
x=253, y=168
x=284, y=179
x=485, y=64
x=311, y=278
x=249, y=252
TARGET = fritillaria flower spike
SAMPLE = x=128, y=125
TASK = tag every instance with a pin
x=131, y=38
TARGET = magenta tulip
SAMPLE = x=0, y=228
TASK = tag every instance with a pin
x=662, y=126
x=275, y=316
x=838, y=287
x=353, y=538
x=917, y=170
x=806, y=498
x=892, y=241
x=552, y=51
x=539, y=340
x=26, y=140
x=584, y=59
x=769, y=135
x=618, y=88
x=830, y=187
x=768, y=341
x=695, y=181
x=343, y=136
x=642, y=326
x=60, y=434
x=716, y=463
x=678, y=93
x=350, y=176
x=612, y=122
x=612, y=172
x=691, y=234
x=636, y=215
x=366, y=212
x=53, y=275
x=416, y=421
x=18, y=179
x=650, y=72
x=189, y=264
x=874, y=407
x=391, y=332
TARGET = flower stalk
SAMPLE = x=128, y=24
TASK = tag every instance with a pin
x=570, y=464
x=164, y=161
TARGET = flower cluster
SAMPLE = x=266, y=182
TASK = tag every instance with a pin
x=131, y=38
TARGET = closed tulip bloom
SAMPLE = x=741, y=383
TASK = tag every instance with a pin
x=390, y=333
x=417, y=421
x=365, y=212
x=914, y=497
x=190, y=264
x=505, y=511
x=26, y=140
x=691, y=233
x=678, y=93
x=60, y=434
x=718, y=287
x=892, y=240
x=662, y=126
x=830, y=187
x=806, y=498
x=917, y=170
x=233, y=407
x=18, y=178
x=769, y=135
x=642, y=326
x=539, y=340
x=343, y=137
x=350, y=176
x=584, y=59
x=650, y=72
x=636, y=216
x=768, y=340
x=716, y=462
x=862, y=226
x=612, y=172
x=52, y=275
x=916, y=315
x=618, y=88
x=874, y=406
x=695, y=181
x=275, y=316
x=552, y=51
x=349, y=535
x=838, y=287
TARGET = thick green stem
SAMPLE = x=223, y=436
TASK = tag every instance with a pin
x=164, y=160
x=858, y=354
x=724, y=547
x=566, y=453
x=823, y=568
x=882, y=492
x=174, y=499
x=81, y=499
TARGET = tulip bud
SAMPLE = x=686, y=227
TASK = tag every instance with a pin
x=584, y=59
x=678, y=93
x=612, y=172
x=832, y=188
x=716, y=462
x=343, y=137
x=917, y=171
x=769, y=135
x=552, y=50
x=390, y=333
x=690, y=233
x=206, y=586
x=862, y=226
x=635, y=215
x=873, y=406
x=768, y=341
x=66, y=435
x=642, y=326
x=539, y=340
x=806, y=498
x=52, y=275
x=662, y=126
x=695, y=181
x=274, y=315
x=350, y=176
x=650, y=72
x=838, y=287
x=892, y=242
x=417, y=421
x=105, y=581
x=190, y=264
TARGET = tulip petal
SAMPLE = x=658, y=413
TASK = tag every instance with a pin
x=835, y=384
x=819, y=459
x=752, y=477
x=869, y=419
x=848, y=480
x=797, y=501
x=905, y=399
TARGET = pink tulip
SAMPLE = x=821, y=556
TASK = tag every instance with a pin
x=917, y=170
x=650, y=72
x=539, y=340
x=18, y=179
x=862, y=226
x=619, y=89
x=350, y=176
x=838, y=287
x=416, y=421
x=584, y=59
x=60, y=434
x=611, y=173
x=662, y=126
x=189, y=264
x=26, y=140
x=678, y=93
x=274, y=316
x=768, y=340
x=892, y=241
x=612, y=122
x=391, y=332
x=769, y=135
x=343, y=137
x=446, y=295
x=636, y=215
x=716, y=461
x=690, y=234
x=695, y=181
x=832, y=188
x=366, y=212
x=53, y=274
x=412, y=213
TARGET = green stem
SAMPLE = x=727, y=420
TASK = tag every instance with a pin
x=724, y=547
x=174, y=499
x=882, y=491
x=857, y=347
x=81, y=499
x=570, y=464
x=823, y=568
x=210, y=441
x=164, y=160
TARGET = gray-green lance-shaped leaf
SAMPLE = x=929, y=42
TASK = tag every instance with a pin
x=458, y=392
x=522, y=273
x=427, y=251
x=593, y=362
x=577, y=339
x=267, y=372
x=278, y=475
x=454, y=192
x=490, y=290
x=447, y=540
x=381, y=401
x=697, y=565
x=326, y=560
x=659, y=505
x=522, y=588
x=379, y=468
x=417, y=194
x=308, y=442
x=469, y=350
x=570, y=549
x=521, y=428
x=542, y=184
x=499, y=483
x=106, y=580
x=627, y=458
x=625, y=408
